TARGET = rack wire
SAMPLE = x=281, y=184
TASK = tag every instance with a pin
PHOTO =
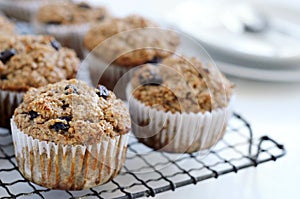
x=147, y=172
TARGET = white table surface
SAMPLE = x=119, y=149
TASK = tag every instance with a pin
x=271, y=108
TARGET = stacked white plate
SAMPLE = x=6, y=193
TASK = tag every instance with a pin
x=269, y=55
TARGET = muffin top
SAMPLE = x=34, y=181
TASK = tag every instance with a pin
x=68, y=13
x=34, y=61
x=72, y=113
x=6, y=27
x=129, y=48
x=181, y=84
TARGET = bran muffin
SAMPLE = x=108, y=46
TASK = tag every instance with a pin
x=68, y=21
x=120, y=44
x=72, y=131
x=30, y=61
x=22, y=10
x=180, y=105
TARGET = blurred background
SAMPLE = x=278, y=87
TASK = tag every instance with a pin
x=250, y=39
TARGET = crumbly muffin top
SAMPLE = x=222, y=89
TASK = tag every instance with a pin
x=34, y=61
x=72, y=113
x=181, y=84
x=129, y=48
x=67, y=13
x=6, y=27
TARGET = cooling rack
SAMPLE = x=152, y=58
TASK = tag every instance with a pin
x=147, y=172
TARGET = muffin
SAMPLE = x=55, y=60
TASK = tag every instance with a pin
x=30, y=61
x=6, y=27
x=21, y=9
x=70, y=136
x=118, y=45
x=68, y=21
x=180, y=105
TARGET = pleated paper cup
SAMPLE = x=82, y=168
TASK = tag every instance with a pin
x=9, y=101
x=112, y=76
x=22, y=10
x=68, y=35
x=177, y=132
x=68, y=167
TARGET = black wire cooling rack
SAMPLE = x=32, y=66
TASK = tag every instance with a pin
x=147, y=172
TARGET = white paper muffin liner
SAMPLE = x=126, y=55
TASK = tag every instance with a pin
x=22, y=10
x=112, y=76
x=68, y=35
x=177, y=132
x=68, y=167
x=9, y=101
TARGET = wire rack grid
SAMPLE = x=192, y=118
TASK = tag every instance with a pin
x=147, y=172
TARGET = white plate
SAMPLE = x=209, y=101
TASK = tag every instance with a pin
x=191, y=47
x=277, y=48
x=260, y=74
